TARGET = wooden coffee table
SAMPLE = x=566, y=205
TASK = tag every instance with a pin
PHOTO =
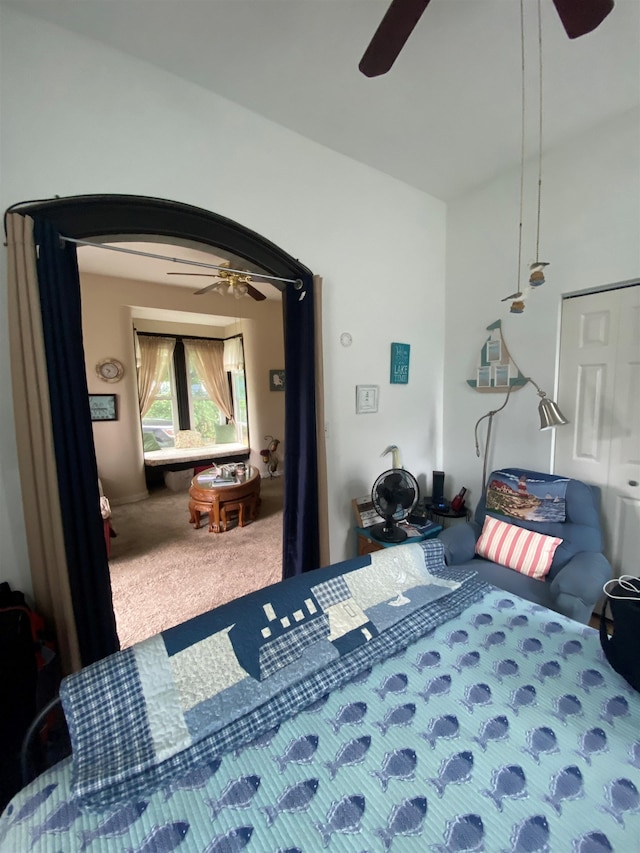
x=220, y=499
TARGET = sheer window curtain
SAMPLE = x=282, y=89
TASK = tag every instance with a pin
x=209, y=360
x=233, y=354
x=36, y=455
x=155, y=354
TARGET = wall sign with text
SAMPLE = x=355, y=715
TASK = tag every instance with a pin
x=400, y=364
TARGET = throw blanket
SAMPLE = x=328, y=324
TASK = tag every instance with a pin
x=195, y=691
x=518, y=496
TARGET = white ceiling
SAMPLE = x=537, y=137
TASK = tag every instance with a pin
x=444, y=120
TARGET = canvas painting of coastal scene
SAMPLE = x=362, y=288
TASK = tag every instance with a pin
x=519, y=496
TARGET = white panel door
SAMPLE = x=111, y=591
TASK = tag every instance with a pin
x=599, y=392
x=624, y=467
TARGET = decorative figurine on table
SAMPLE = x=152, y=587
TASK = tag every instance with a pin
x=393, y=448
x=269, y=456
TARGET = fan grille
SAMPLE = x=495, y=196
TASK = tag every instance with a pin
x=394, y=494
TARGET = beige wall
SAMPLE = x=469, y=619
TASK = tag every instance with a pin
x=110, y=309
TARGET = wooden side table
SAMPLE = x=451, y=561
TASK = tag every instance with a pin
x=217, y=499
x=367, y=543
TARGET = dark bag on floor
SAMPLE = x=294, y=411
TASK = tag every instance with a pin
x=622, y=649
x=29, y=677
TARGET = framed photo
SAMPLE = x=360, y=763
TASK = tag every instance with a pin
x=501, y=375
x=103, y=407
x=366, y=399
x=276, y=380
x=484, y=377
x=494, y=350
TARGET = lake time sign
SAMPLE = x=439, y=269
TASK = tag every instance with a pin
x=400, y=364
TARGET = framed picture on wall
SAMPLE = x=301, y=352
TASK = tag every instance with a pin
x=501, y=375
x=494, y=350
x=484, y=377
x=276, y=380
x=103, y=407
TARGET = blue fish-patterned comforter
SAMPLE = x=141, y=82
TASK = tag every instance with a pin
x=501, y=730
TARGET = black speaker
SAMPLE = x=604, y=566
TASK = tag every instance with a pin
x=437, y=490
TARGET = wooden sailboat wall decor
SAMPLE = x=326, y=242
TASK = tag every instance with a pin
x=496, y=372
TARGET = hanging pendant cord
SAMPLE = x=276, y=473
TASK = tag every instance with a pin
x=539, y=131
x=522, y=131
x=296, y=281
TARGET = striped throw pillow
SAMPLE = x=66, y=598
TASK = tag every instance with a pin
x=512, y=546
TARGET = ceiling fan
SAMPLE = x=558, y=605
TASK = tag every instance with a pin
x=578, y=18
x=227, y=282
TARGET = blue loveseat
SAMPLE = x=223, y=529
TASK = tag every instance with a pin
x=579, y=568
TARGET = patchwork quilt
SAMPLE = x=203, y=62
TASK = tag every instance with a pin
x=501, y=729
x=163, y=706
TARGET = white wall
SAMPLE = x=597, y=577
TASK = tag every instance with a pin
x=590, y=234
x=79, y=118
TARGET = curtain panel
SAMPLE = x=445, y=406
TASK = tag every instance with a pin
x=301, y=536
x=323, y=488
x=36, y=455
x=233, y=354
x=155, y=355
x=72, y=430
x=209, y=360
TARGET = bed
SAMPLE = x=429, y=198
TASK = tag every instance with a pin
x=384, y=703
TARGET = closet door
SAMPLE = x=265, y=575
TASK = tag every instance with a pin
x=599, y=392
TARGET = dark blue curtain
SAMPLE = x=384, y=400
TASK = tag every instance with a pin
x=85, y=547
x=300, y=544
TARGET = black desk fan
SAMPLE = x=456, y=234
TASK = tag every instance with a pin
x=394, y=495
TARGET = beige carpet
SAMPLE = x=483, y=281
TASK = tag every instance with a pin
x=163, y=571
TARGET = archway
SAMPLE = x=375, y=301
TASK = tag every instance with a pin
x=122, y=216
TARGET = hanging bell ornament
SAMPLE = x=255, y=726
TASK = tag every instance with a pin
x=517, y=307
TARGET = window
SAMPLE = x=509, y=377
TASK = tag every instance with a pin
x=239, y=395
x=181, y=401
x=204, y=415
x=158, y=425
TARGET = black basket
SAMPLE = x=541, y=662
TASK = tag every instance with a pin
x=622, y=648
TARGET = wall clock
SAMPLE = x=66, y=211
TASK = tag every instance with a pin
x=110, y=370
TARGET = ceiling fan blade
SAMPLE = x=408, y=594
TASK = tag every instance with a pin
x=582, y=16
x=206, y=289
x=255, y=294
x=192, y=273
x=390, y=37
